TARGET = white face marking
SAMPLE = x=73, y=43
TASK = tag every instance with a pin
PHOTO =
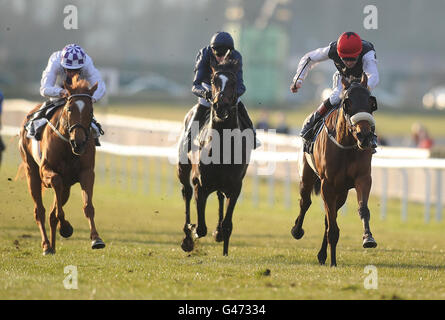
x=224, y=81
x=80, y=104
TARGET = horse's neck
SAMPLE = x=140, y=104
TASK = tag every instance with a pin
x=59, y=122
x=342, y=134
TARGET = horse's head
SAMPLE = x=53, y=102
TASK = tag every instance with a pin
x=358, y=106
x=78, y=113
x=224, y=83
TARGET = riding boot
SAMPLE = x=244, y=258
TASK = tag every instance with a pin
x=2, y=145
x=199, y=116
x=307, y=132
x=97, y=130
x=247, y=123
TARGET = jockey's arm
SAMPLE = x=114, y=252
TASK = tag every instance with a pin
x=48, y=88
x=370, y=68
x=310, y=60
x=241, y=88
x=200, y=74
x=92, y=75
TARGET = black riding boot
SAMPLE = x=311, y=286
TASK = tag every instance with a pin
x=101, y=132
x=307, y=132
x=2, y=145
x=247, y=122
x=199, y=116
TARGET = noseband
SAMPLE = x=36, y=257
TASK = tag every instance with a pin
x=356, y=118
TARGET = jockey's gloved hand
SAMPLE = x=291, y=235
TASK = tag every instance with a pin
x=208, y=96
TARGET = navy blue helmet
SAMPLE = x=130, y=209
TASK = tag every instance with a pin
x=222, y=39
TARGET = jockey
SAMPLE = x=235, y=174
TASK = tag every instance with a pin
x=220, y=44
x=351, y=56
x=63, y=66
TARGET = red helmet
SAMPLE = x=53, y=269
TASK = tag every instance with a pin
x=349, y=45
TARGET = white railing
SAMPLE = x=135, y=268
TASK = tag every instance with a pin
x=405, y=173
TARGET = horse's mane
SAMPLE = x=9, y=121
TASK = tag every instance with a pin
x=230, y=65
x=79, y=85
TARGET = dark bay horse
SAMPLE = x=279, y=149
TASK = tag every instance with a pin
x=64, y=156
x=219, y=162
x=341, y=161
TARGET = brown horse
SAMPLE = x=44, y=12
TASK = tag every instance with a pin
x=65, y=155
x=341, y=161
x=220, y=161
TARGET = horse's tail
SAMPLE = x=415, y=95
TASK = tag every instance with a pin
x=317, y=186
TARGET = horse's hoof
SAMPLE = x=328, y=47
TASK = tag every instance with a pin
x=66, y=230
x=187, y=244
x=321, y=258
x=297, y=233
x=97, y=244
x=217, y=236
x=201, y=231
x=48, y=251
x=369, y=242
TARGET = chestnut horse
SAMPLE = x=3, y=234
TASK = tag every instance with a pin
x=219, y=163
x=341, y=161
x=65, y=155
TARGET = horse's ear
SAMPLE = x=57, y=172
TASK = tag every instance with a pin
x=226, y=56
x=93, y=88
x=373, y=103
x=345, y=83
x=237, y=65
x=364, y=81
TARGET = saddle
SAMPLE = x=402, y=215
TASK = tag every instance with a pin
x=308, y=146
x=37, y=120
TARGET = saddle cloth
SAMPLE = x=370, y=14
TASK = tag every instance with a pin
x=37, y=120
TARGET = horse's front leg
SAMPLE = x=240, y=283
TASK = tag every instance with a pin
x=187, y=243
x=201, y=196
x=306, y=187
x=86, y=180
x=226, y=224
x=363, y=188
x=52, y=179
x=217, y=234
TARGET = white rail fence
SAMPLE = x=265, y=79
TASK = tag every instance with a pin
x=404, y=173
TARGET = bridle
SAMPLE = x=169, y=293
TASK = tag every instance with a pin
x=220, y=94
x=351, y=121
x=69, y=127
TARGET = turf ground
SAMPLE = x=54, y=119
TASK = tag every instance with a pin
x=143, y=258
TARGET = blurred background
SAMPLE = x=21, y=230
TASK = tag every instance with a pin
x=146, y=51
